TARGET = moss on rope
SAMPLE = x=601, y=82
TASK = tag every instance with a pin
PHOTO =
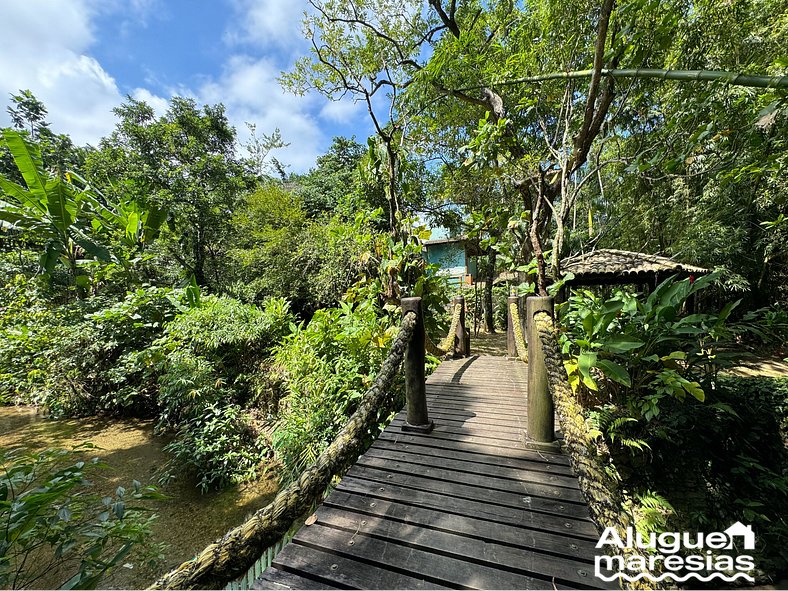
x=519, y=337
x=446, y=346
x=589, y=455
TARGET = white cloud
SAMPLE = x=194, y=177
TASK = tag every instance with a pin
x=343, y=111
x=251, y=93
x=43, y=48
x=159, y=103
x=268, y=23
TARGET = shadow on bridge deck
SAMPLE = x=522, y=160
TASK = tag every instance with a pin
x=464, y=507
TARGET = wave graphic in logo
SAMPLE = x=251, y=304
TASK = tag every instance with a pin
x=676, y=578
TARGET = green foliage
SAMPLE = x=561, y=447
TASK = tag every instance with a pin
x=280, y=253
x=766, y=327
x=58, y=152
x=183, y=163
x=82, y=358
x=218, y=445
x=645, y=345
x=335, y=179
x=210, y=362
x=71, y=222
x=327, y=366
x=213, y=353
x=696, y=450
x=49, y=521
x=727, y=462
x=50, y=208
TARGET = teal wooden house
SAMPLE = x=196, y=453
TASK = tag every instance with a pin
x=454, y=256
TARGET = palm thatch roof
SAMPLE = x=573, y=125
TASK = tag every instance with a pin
x=609, y=267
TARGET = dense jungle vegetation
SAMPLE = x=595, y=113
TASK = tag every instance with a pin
x=171, y=273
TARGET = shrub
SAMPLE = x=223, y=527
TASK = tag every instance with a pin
x=81, y=358
x=210, y=364
x=213, y=352
x=645, y=345
x=327, y=366
x=696, y=450
x=218, y=445
x=49, y=521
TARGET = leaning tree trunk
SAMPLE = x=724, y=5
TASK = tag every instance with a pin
x=392, y=189
x=489, y=318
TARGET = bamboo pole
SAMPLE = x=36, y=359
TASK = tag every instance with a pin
x=732, y=78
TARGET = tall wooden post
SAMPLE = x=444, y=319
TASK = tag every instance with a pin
x=541, y=420
x=511, y=344
x=415, y=387
x=460, y=346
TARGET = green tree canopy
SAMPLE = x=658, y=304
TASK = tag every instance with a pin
x=183, y=163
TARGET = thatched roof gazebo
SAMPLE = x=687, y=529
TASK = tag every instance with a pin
x=621, y=267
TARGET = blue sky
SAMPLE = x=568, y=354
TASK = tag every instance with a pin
x=83, y=57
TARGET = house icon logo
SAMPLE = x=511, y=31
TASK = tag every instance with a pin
x=745, y=532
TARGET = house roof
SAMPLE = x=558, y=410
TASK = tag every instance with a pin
x=472, y=246
x=443, y=241
x=622, y=266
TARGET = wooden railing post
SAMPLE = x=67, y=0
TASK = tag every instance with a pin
x=541, y=418
x=511, y=345
x=461, y=348
x=415, y=386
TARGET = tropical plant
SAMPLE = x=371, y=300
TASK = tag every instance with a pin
x=52, y=526
x=326, y=367
x=218, y=445
x=66, y=216
x=645, y=344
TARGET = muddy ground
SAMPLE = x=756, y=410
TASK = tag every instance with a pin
x=186, y=522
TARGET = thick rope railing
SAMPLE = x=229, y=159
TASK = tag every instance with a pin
x=589, y=456
x=230, y=556
x=446, y=346
x=519, y=337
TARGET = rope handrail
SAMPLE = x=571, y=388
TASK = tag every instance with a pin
x=231, y=555
x=446, y=345
x=590, y=457
x=519, y=338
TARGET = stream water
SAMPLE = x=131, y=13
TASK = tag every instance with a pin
x=187, y=521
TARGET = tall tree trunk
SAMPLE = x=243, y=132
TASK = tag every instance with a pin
x=391, y=188
x=199, y=258
x=536, y=241
x=489, y=318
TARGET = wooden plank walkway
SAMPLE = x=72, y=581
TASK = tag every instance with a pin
x=464, y=507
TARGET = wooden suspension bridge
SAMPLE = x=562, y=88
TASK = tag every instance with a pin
x=468, y=504
x=467, y=488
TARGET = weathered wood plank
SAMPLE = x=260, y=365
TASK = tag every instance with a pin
x=471, y=430
x=275, y=579
x=474, y=526
x=488, y=553
x=510, y=395
x=342, y=571
x=471, y=420
x=474, y=468
x=482, y=453
x=544, y=514
x=486, y=445
x=541, y=512
x=433, y=567
x=494, y=413
x=487, y=484
x=479, y=459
